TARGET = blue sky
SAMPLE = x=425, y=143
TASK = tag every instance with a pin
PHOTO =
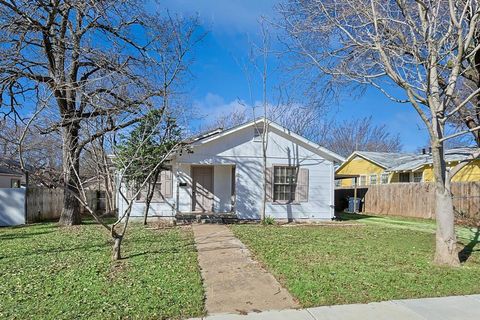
x=220, y=82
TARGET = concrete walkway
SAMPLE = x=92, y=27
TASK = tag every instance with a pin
x=447, y=308
x=234, y=282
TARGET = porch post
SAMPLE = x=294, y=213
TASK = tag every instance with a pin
x=355, y=209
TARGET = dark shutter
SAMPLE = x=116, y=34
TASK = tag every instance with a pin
x=301, y=192
x=269, y=183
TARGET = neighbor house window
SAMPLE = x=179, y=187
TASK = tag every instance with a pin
x=258, y=132
x=363, y=180
x=284, y=183
x=418, y=177
x=404, y=177
x=338, y=183
x=15, y=183
x=373, y=179
x=384, y=178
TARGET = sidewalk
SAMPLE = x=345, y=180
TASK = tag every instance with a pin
x=446, y=308
x=233, y=281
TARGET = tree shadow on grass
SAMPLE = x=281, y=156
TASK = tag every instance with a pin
x=172, y=249
x=467, y=251
x=14, y=236
x=92, y=247
x=344, y=216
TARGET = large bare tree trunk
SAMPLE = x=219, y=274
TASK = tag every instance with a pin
x=71, y=165
x=446, y=242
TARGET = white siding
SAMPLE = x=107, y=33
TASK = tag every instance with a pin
x=240, y=150
x=222, y=185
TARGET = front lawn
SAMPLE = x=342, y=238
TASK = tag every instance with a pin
x=49, y=272
x=364, y=262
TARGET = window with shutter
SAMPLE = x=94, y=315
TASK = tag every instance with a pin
x=163, y=188
x=290, y=184
x=284, y=183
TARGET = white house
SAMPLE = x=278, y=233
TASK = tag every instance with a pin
x=224, y=174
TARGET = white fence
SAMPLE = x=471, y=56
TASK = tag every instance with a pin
x=12, y=206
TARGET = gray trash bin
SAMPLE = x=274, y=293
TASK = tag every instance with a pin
x=351, y=204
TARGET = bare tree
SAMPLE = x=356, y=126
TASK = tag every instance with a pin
x=227, y=120
x=81, y=61
x=422, y=48
x=351, y=135
x=41, y=154
x=129, y=187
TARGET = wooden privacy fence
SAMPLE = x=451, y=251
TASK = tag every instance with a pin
x=45, y=204
x=414, y=199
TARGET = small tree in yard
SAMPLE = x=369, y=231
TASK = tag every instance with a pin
x=422, y=53
x=155, y=139
x=148, y=142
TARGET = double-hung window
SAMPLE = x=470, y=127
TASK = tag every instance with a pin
x=284, y=183
x=384, y=178
x=363, y=180
x=373, y=179
x=418, y=177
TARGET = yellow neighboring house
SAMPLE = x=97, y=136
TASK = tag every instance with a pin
x=383, y=167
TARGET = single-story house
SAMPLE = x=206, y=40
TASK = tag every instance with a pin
x=224, y=174
x=371, y=168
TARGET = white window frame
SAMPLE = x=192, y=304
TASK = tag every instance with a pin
x=292, y=183
x=15, y=183
x=362, y=180
x=370, y=179
x=421, y=176
x=384, y=178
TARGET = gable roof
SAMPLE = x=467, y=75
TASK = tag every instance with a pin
x=10, y=167
x=451, y=155
x=408, y=161
x=218, y=133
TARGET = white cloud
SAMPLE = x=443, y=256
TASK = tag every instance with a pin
x=214, y=105
x=226, y=15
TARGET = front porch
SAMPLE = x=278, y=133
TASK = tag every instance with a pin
x=206, y=192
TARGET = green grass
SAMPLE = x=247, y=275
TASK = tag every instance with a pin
x=49, y=272
x=370, y=261
x=416, y=224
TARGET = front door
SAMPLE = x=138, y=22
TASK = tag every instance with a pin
x=202, y=192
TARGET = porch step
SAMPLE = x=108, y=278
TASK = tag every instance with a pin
x=223, y=218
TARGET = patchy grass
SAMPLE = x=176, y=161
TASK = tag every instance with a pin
x=49, y=272
x=416, y=224
x=322, y=265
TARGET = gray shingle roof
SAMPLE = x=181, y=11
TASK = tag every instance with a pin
x=410, y=161
x=386, y=159
x=10, y=167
